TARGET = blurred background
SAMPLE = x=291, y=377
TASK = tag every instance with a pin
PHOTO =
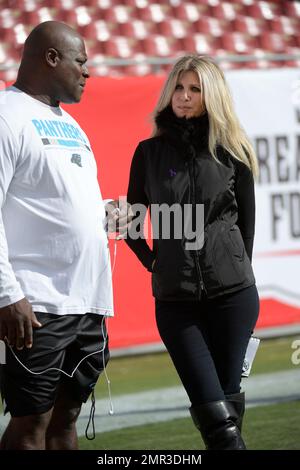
x=131, y=46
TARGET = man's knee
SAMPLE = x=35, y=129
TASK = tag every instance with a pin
x=36, y=422
x=64, y=417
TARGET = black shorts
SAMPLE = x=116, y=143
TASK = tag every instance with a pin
x=61, y=342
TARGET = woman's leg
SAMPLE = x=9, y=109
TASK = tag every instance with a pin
x=183, y=333
x=231, y=319
x=185, y=330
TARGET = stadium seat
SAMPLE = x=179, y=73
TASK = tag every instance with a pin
x=154, y=12
x=249, y=25
x=175, y=28
x=80, y=16
x=160, y=46
x=285, y=25
x=13, y=38
x=119, y=46
x=292, y=9
x=264, y=10
x=99, y=30
x=34, y=16
x=8, y=18
x=94, y=48
x=227, y=11
x=201, y=44
x=297, y=41
x=59, y=4
x=67, y=16
x=119, y=14
x=21, y=4
x=210, y=26
x=3, y=53
x=7, y=35
x=273, y=42
x=30, y=17
x=239, y=43
x=187, y=11
x=137, y=29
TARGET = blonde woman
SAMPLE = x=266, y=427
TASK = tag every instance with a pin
x=205, y=295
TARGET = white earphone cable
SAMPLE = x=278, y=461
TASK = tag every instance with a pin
x=104, y=335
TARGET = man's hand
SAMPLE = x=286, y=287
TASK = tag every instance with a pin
x=119, y=217
x=16, y=323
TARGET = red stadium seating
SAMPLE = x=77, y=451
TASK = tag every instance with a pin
x=137, y=29
x=121, y=47
x=187, y=11
x=227, y=10
x=273, y=42
x=160, y=46
x=285, y=25
x=249, y=25
x=175, y=28
x=118, y=14
x=292, y=9
x=264, y=10
x=99, y=30
x=154, y=12
x=161, y=28
x=201, y=44
x=239, y=43
x=211, y=26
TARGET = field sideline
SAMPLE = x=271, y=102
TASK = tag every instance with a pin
x=266, y=427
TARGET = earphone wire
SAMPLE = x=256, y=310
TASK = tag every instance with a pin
x=104, y=335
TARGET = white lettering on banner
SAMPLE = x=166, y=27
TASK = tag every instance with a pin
x=268, y=105
x=295, y=358
x=2, y=352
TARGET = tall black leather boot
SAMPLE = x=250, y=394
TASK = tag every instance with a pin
x=237, y=401
x=216, y=422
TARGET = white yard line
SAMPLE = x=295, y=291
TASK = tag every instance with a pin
x=169, y=403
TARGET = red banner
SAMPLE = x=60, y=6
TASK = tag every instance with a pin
x=115, y=114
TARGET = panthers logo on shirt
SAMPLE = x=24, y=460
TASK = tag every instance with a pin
x=76, y=158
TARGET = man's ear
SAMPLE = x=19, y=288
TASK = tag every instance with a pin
x=52, y=57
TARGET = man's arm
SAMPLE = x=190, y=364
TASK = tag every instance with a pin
x=16, y=316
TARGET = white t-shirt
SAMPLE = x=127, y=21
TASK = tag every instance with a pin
x=53, y=245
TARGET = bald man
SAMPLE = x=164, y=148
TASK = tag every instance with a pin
x=55, y=277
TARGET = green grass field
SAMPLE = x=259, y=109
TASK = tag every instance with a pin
x=268, y=427
x=145, y=372
x=274, y=427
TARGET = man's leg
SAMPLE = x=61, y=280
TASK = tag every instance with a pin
x=26, y=432
x=61, y=433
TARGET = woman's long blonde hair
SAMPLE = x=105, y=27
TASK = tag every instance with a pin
x=224, y=127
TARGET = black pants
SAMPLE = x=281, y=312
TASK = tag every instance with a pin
x=207, y=341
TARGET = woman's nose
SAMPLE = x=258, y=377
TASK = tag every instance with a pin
x=186, y=95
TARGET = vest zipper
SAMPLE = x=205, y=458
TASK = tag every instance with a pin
x=195, y=252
